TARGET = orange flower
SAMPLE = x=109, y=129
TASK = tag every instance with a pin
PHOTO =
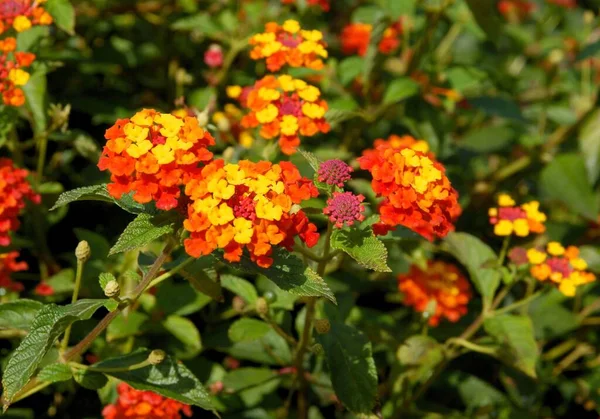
x=441, y=289
x=560, y=265
x=355, y=38
x=8, y=265
x=14, y=189
x=153, y=154
x=22, y=15
x=12, y=75
x=285, y=107
x=137, y=404
x=417, y=193
x=519, y=220
x=289, y=44
x=251, y=205
x=515, y=10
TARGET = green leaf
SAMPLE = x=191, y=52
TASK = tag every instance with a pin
x=337, y=116
x=313, y=160
x=589, y=144
x=362, y=245
x=186, y=332
x=92, y=380
x=97, y=193
x=201, y=22
x=180, y=299
x=200, y=98
x=49, y=323
x=105, y=278
x=18, y=314
x=418, y=356
x=498, y=106
x=240, y=287
x=246, y=329
x=290, y=274
x=484, y=12
x=400, y=89
x=203, y=279
x=126, y=325
x=55, y=373
x=243, y=378
x=169, y=378
x=271, y=349
x=142, y=231
x=36, y=99
x=589, y=50
x=474, y=255
x=351, y=366
x=487, y=139
x=551, y=319
x=63, y=14
x=349, y=69
x=564, y=179
x=380, y=24
x=515, y=333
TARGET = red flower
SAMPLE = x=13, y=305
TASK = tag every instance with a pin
x=8, y=265
x=356, y=37
x=44, y=289
x=213, y=57
x=137, y=404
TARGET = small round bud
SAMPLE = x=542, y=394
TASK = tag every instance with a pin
x=112, y=289
x=323, y=326
x=156, y=356
x=262, y=307
x=238, y=304
x=317, y=349
x=83, y=251
x=556, y=56
x=270, y=296
x=202, y=118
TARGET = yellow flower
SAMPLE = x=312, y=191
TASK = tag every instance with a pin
x=138, y=149
x=271, y=48
x=312, y=110
x=555, y=249
x=291, y=26
x=235, y=175
x=536, y=257
x=503, y=228
x=142, y=118
x=243, y=230
x=233, y=91
x=220, y=188
x=287, y=83
x=266, y=210
x=21, y=23
x=505, y=200
x=171, y=124
x=521, y=227
x=289, y=125
x=18, y=76
x=567, y=288
x=310, y=94
x=246, y=139
x=579, y=264
x=268, y=114
x=533, y=212
x=221, y=215
x=164, y=154
x=268, y=95
x=314, y=35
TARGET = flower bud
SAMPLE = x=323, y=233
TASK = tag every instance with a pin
x=112, y=289
x=202, y=118
x=83, y=251
x=317, y=349
x=213, y=57
x=238, y=304
x=262, y=307
x=323, y=326
x=156, y=356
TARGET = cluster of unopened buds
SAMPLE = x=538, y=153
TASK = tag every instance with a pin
x=17, y=16
x=343, y=208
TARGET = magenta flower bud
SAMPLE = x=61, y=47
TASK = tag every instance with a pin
x=213, y=57
x=334, y=172
x=345, y=208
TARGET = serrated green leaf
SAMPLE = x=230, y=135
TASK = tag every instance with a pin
x=18, y=314
x=49, y=323
x=105, y=278
x=349, y=69
x=186, y=332
x=351, y=366
x=63, y=14
x=92, y=380
x=243, y=378
x=362, y=245
x=400, y=89
x=246, y=329
x=313, y=160
x=169, y=378
x=337, y=116
x=55, y=373
x=36, y=99
x=97, y=193
x=380, y=24
x=515, y=333
x=240, y=287
x=474, y=254
x=565, y=179
x=141, y=232
x=288, y=273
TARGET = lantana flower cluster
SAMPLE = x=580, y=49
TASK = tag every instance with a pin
x=289, y=44
x=441, y=289
x=343, y=208
x=9, y=265
x=285, y=107
x=21, y=15
x=560, y=265
x=355, y=38
x=248, y=205
x=152, y=154
x=417, y=193
x=522, y=220
x=138, y=404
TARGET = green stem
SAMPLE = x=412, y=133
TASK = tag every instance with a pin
x=171, y=273
x=472, y=346
x=137, y=366
x=516, y=305
x=78, y=275
x=41, y=162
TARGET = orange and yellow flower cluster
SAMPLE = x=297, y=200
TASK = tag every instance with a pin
x=14, y=190
x=355, y=38
x=440, y=289
x=285, y=107
x=152, y=154
x=248, y=205
x=521, y=220
x=21, y=15
x=138, y=404
x=289, y=44
x=417, y=193
x=563, y=266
